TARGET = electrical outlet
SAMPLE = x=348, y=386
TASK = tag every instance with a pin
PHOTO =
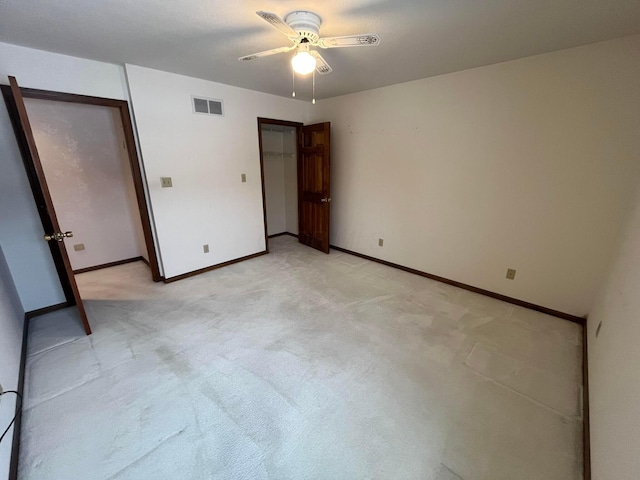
x=205, y=248
x=244, y=177
x=78, y=247
x=511, y=273
x=381, y=242
x=166, y=182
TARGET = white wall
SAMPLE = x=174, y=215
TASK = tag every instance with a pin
x=11, y=324
x=205, y=156
x=290, y=146
x=27, y=255
x=89, y=177
x=274, y=189
x=281, y=180
x=614, y=363
x=525, y=164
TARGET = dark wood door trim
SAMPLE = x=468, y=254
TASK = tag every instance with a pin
x=285, y=123
x=138, y=182
x=586, y=427
x=134, y=161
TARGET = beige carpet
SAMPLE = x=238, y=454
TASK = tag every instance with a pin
x=300, y=365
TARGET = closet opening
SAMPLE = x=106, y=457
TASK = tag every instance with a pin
x=279, y=159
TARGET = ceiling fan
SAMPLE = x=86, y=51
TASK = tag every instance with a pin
x=303, y=29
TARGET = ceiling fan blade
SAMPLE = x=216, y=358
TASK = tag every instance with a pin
x=322, y=67
x=266, y=53
x=367, y=40
x=277, y=22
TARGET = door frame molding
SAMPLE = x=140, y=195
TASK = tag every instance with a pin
x=134, y=161
x=285, y=123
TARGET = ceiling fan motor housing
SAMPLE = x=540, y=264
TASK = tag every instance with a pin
x=307, y=24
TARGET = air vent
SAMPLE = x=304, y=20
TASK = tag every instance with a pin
x=207, y=106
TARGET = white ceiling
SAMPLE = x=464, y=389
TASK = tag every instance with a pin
x=420, y=38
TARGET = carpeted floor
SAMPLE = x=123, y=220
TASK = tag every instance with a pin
x=300, y=365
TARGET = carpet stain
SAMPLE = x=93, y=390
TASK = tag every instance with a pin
x=175, y=362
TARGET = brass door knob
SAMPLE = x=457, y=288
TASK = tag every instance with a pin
x=58, y=236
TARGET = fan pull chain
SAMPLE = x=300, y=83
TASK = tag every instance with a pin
x=294, y=83
x=314, y=88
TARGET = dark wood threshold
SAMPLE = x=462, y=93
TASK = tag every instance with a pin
x=481, y=291
x=283, y=233
x=586, y=432
x=110, y=264
x=213, y=267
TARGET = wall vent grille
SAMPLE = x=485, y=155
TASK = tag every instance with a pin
x=207, y=106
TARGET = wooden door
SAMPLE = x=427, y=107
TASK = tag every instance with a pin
x=53, y=233
x=314, y=192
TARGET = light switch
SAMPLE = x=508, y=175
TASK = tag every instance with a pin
x=166, y=182
x=244, y=177
x=78, y=247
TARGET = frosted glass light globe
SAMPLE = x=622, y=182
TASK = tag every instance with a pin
x=303, y=63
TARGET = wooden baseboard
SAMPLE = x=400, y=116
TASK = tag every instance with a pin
x=145, y=261
x=51, y=308
x=15, y=450
x=283, y=233
x=471, y=288
x=213, y=267
x=15, y=446
x=17, y=426
x=586, y=432
x=586, y=435
x=110, y=264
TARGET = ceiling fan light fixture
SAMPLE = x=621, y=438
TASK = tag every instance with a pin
x=303, y=63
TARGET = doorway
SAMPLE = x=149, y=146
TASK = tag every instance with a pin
x=279, y=152
x=66, y=141
x=295, y=164
x=86, y=165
